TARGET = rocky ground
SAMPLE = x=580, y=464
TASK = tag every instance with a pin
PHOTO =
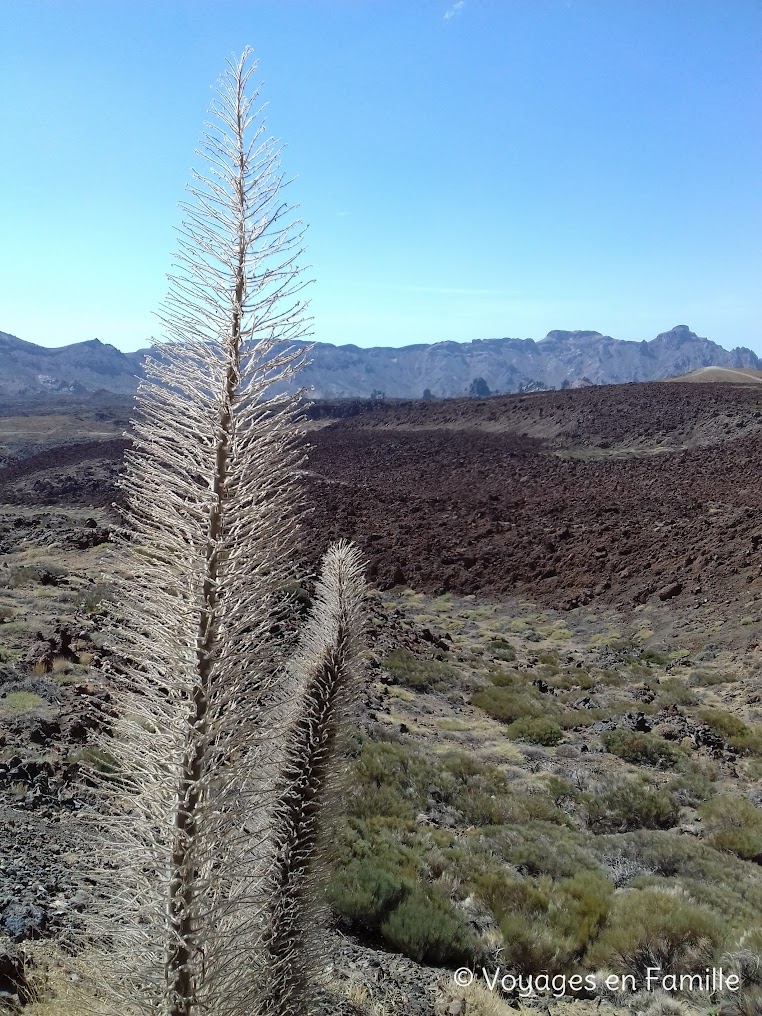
x=588, y=559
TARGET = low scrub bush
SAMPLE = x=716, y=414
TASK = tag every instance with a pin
x=722, y=723
x=729, y=886
x=363, y=894
x=546, y=925
x=419, y=675
x=631, y=804
x=506, y=894
x=378, y=902
x=16, y=702
x=640, y=749
x=389, y=780
x=691, y=788
x=673, y=692
x=94, y=596
x=733, y=730
x=571, y=719
x=93, y=757
x=709, y=678
x=531, y=947
x=393, y=781
x=45, y=574
x=581, y=906
x=506, y=704
x=536, y=730
x=734, y=824
x=541, y=848
x=427, y=928
x=654, y=928
x=502, y=650
x=653, y=656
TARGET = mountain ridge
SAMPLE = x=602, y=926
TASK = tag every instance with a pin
x=561, y=359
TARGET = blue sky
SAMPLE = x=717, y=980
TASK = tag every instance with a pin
x=468, y=170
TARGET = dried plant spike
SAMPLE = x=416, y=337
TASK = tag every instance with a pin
x=326, y=670
x=213, y=499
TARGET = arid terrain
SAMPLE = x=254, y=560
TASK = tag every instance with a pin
x=557, y=761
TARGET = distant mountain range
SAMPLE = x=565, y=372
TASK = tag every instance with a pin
x=438, y=370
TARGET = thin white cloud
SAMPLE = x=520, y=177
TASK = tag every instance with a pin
x=456, y=8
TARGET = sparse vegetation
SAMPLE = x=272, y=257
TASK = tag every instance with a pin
x=640, y=749
x=418, y=674
x=535, y=729
x=734, y=824
x=631, y=804
x=654, y=927
x=733, y=730
x=15, y=702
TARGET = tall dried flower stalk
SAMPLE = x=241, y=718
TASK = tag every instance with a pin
x=325, y=668
x=212, y=494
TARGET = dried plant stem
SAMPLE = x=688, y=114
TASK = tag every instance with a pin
x=213, y=501
x=326, y=667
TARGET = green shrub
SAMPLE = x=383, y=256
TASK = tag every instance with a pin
x=749, y=743
x=508, y=704
x=428, y=929
x=541, y=848
x=640, y=749
x=420, y=675
x=16, y=702
x=511, y=679
x=506, y=894
x=389, y=780
x=733, y=731
x=581, y=905
x=44, y=573
x=482, y=795
x=722, y=723
x=573, y=719
x=561, y=791
x=653, y=928
x=571, y=678
x=691, y=788
x=618, y=707
x=548, y=658
x=672, y=691
x=94, y=597
x=536, y=729
x=655, y=657
x=729, y=886
x=393, y=781
x=94, y=757
x=734, y=824
x=363, y=894
x=531, y=947
x=546, y=925
x=631, y=805
x=709, y=678
x=502, y=650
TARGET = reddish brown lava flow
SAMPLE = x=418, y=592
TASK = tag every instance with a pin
x=463, y=508
x=477, y=496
